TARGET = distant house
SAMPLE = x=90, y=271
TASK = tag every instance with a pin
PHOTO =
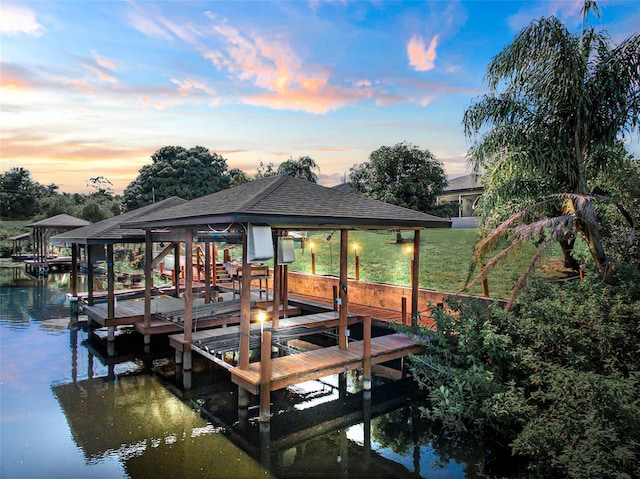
x=345, y=188
x=464, y=191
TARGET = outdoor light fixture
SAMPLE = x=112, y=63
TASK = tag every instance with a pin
x=312, y=246
x=262, y=317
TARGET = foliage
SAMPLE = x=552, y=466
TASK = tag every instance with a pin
x=402, y=175
x=237, y=177
x=303, y=168
x=19, y=194
x=176, y=171
x=558, y=377
x=551, y=126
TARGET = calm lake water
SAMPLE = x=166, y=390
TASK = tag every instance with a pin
x=70, y=410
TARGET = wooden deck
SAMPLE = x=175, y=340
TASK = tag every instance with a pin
x=220, y=340
x=297, y=368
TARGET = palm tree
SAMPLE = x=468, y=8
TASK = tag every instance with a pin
x=565, y=102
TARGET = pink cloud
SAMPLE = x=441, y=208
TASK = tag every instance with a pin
x=422, y=58
x=18, y=19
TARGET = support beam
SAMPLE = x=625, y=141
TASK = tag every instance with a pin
x=265, y=377
x=148, y=275
x=245, y=306
x=74, y=270
x=176, y=269
x=90, y=286
x=366, y=352
x=277, y=274
x=207, y=272
x=188, y=295
x=344, y=300
x=415, y=279
x=111, y=307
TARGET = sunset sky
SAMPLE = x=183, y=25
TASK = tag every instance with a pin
x=93, y=88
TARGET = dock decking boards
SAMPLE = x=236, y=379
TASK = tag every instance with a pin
x=297, y=368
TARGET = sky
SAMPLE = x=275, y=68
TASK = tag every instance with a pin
x=93, y=88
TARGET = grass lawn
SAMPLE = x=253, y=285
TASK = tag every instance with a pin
x=445, y=257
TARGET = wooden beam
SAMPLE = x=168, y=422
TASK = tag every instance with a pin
x=415, y=279
x=74, y=270
x=110, y=283
x=265, y=377
x=188, y=289
x=90, y=290
x=344, y=301
x=366, y=352
x=245, y=306
x=163, y=253
x=176, y=269
x=148, y=275
x=207, y=272
x=277, y=274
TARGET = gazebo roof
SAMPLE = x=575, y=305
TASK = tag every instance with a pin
x=60, y=221
x=109, y=230
x=287, y=202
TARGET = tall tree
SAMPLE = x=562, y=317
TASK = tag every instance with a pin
x=303, y=168
x=557, y=107
x=176, y=171
x=19, y=194
x=402, y=175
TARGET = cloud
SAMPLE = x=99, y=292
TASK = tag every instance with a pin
x=422, y=58
x=568, y=11
x=18, y=19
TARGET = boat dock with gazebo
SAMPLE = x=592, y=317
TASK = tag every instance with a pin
x=259, y=214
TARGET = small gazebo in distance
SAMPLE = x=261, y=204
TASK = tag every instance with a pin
x=42, y=262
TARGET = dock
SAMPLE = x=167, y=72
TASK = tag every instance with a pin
x=309, y=365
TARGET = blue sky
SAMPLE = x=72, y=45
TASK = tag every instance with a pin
x=93, y=88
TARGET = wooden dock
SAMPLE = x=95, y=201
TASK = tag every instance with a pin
x=306, y=366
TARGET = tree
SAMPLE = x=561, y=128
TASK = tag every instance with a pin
x=402, y=175
x=176, y=171
x=238, y=177
x=19, y=194
x=550, y=126
x=265, y=171
x=557, y=378
x=303, y=168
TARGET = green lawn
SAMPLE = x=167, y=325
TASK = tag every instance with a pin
x=445, y=257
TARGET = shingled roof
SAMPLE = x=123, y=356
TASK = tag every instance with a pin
x=109, y=230
x=61, y=222
x=287, y=202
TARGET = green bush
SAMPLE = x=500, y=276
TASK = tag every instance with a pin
x=558, y=377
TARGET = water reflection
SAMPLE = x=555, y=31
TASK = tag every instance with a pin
x=90, y=413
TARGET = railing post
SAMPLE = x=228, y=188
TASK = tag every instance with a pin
x=366, y=352
x=265, y=378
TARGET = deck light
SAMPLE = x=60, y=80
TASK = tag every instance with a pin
x=312, y=246
x=262, y=317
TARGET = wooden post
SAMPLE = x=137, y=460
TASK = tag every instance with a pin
x=344, y=301
x=111, y=298
x=265, y=378
x=285, y=288
x=188, y=303
x=485, y=283
x=176, y=269
x=148, y=283
x=313, y=261
x=366, y=352
x=404, y=312
x=74, y=269
x=277, y=287
x=334, y=291
x=90, y=291
x=415, y=278
x=245, y=306
x=207, y=272
x=215, y=264
x=357, y=259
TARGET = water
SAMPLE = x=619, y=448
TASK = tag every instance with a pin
x=69, y=410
